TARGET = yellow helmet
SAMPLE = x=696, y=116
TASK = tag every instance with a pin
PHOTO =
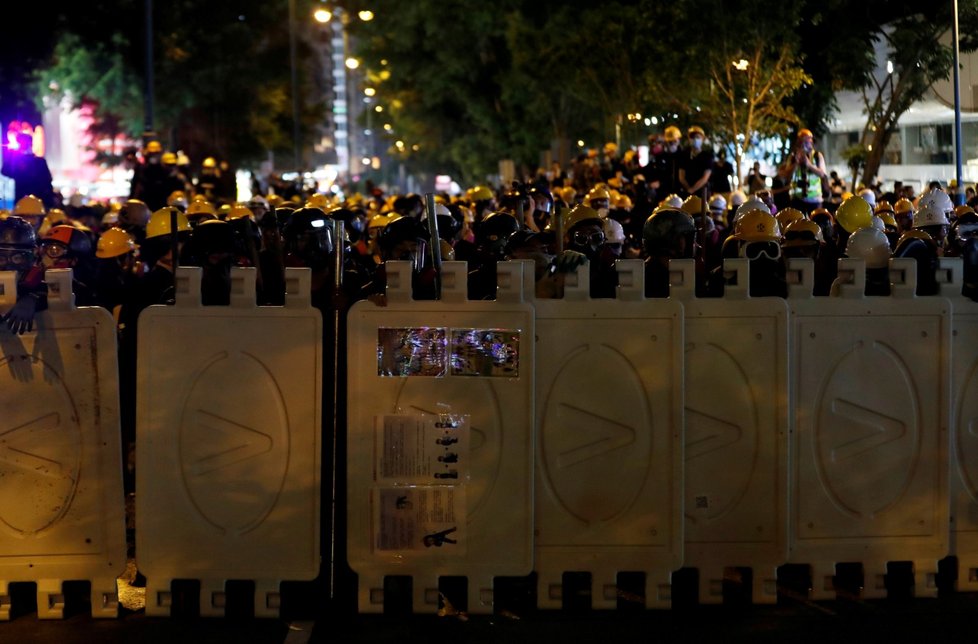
x=692, y=206
x=159, y=223
x=888, y=218
x=210, y=162
x=598, y=193
x=756, y=225
x=915, y=233
x=29, y=206
x=223, y=211
x=54, y=217
x=623, y=202
x=154, y=147
x=379, y=221
x=177, y=199
x=480, y=193
x=854, y=213
x=274, y=201
x=169, y=158
x=673, y=133
x=318, y=200
x=240, y=211
x=113, y=243
x=788, y=216
x=579, y=213
x=963, y=209
x=903, y=206
x=883, y=206
x=200, y=207
x=802, y=232
x=568, y=195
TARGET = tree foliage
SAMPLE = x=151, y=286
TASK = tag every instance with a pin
x=222, y=83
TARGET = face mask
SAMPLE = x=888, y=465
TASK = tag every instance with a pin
x=672, y=147
x=697, y=143
x=808, y=147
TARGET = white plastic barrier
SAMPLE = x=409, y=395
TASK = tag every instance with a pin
x=610, y=420
x=736, y=438
x=61, y=500
x=964, y=425
x=228, y=442
x=870, y=387
x=456, y=500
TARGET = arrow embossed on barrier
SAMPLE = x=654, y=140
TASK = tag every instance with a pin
x=604, y=433
x=246, y=443
x=707, y=434
x=883, y=429
x=18, y=446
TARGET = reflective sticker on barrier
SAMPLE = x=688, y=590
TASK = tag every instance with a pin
x=412, y=352
x=419, y=450
x=61, y=496
x=228, y=443
x=736, y=444
x=488, y=378
x=492, y=353
x=421, y=519
x=869, y=456
x=610, y=419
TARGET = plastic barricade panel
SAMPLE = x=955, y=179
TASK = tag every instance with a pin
x=61, y=499
x=228, y=442
x=428, y=498
x=964, y=425
x=869, y=457
x=610, y=422
x=736, y=433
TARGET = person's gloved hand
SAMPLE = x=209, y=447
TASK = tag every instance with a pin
x=569, y=260
x=20, y=319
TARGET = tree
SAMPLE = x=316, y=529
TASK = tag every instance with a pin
x=736, y=83
x=917, y=56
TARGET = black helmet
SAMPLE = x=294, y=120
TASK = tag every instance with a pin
x=352, y=221
x=542, y=199
x=310, y=222
x=515, y=196
x=400, y=229
x=497, y=226
x=17, y=233
x=77, y=243
x=664, y=228
x=213, y=236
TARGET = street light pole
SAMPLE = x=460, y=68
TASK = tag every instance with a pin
x=959, y=190
x=296, y=143
x=148, y=96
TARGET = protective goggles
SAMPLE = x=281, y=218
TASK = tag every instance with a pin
x=582, y=238
x=54, y=250
x=758, y=250
x=15, y=259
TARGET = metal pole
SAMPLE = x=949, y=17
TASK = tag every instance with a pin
x=296, y=159
x=434, y=240
x=959, y=191
x=148, y=96
x=338, y=306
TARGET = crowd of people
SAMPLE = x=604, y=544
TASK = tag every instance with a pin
x=605, y=207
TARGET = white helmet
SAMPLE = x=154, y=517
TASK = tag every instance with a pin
x=878, y=223
x=929, y=215
x=613, y=231
x=737, y=198
x=752, y=203
x=718, y=203
x=869, y=245
x=936, y=199
x=672, y=201
x=869, y=196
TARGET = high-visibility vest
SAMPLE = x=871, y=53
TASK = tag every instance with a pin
x=805, y=184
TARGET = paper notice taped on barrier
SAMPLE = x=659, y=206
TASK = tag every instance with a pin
x=422, y=450
x=420, y=519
